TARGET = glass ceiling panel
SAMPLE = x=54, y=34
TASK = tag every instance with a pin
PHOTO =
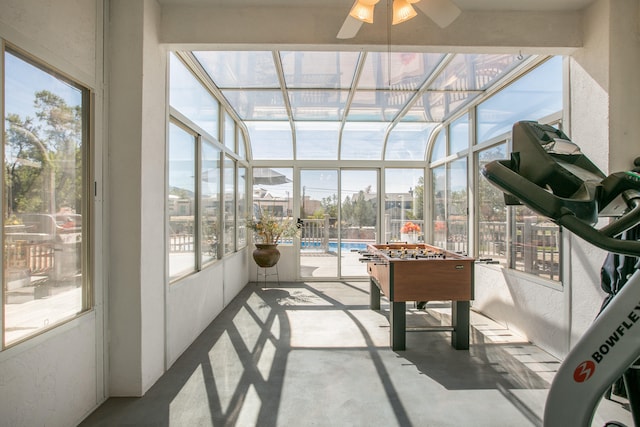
x=362, y=140
x=377, y=105
x=270, y=140
x=257, y=104
x=317, y=140
x=315, y=104
x=320, y=70
x=240, y=69
x=408, y=141
x=319, y=84
x=408, y=71
x=473, y=71
x=438, y=106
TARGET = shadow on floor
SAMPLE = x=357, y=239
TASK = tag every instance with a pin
x=315, y=354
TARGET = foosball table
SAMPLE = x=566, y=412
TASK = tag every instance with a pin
x=420, y=272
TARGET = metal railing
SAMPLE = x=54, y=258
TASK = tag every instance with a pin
x=37, y=258
x=315, y=234
x=534, y=249
x=492, y=240
x=181, y=242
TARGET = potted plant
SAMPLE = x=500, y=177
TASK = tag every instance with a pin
x=409, y=232
x=268, y=230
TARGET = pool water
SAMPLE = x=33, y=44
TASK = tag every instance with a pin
x=333, y=246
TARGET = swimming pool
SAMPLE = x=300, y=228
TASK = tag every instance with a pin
x=333, y=246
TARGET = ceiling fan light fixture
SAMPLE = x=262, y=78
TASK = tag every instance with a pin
x=402, y=11
x=362, y=10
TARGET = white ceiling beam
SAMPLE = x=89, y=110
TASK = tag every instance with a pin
x=314, y=28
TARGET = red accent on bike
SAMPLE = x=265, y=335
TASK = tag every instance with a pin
x=584, y=371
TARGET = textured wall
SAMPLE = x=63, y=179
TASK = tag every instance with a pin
x=62, y=32
x=319, y=25
x=53, y=379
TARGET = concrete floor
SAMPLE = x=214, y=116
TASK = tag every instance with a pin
x=314, y=354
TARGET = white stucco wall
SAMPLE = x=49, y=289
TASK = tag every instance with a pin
x=534, y=310
x=192, y=303
x=236, y=274
x=63, y=33
x=50, y=380
x=153, y=200
x=624, y=86
x=133, y=303
x=55, y=378
x=317, y=26
x=287, y=266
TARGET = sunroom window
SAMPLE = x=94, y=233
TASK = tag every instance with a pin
x=516, y=236
x=206, y=176
x=45, y=217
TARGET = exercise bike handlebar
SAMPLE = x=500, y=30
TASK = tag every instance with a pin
x=628, y=220
x=578, y=212
x=599, y=238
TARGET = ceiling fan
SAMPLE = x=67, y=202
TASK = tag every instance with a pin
x=442, y=12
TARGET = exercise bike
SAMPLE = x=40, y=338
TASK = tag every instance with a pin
x=548, y=173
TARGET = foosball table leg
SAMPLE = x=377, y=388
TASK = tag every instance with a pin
x=460, y=323
x=397, y=320
x=374, y=296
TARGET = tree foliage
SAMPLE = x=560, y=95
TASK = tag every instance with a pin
x=43, y=157
x=360, y=210
x=330, y=206
x=418, y=200
x=490, y=198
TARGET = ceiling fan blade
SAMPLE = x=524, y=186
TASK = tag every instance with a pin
x=442, y=12
x=350, y=28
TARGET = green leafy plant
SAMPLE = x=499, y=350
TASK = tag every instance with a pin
x=269, y=229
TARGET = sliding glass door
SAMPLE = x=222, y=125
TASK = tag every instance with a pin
x=339, y=210
x=358, y=219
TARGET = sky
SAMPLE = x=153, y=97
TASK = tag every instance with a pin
x=321, y=183
x=23, y=80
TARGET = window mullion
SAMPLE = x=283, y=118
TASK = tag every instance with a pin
x=197, y=227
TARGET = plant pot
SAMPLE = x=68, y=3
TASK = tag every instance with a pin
x=410, y=237
x=266, y=255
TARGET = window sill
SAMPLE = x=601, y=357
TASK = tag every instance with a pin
x=522, y=276
x=40, y=338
